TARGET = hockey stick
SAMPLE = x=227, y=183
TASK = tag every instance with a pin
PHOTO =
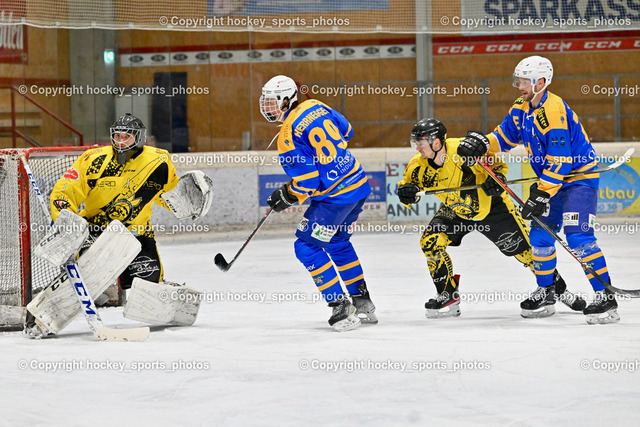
x=632, y=293
x=273, y=139
x=219, y=260
x=625, y=157
x=100, y=331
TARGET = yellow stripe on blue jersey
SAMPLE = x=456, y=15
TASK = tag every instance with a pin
x=312, y=149
x=554, y=138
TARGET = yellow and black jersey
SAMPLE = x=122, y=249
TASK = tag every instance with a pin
x=469, y=204
x=112, y=191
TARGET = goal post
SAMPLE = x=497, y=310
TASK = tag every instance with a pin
x=23, y=224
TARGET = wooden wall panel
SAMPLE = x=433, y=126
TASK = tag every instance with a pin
x=48, y=65
x=502, y=94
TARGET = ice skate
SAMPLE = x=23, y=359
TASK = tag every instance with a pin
x=568, y=298
x=35, y=331
x=445, y=304
x=365, y=310
x=344, y=316
x=540, y=303
x=603, y=309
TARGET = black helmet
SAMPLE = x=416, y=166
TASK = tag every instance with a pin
x=429, y=129
x=133, y=126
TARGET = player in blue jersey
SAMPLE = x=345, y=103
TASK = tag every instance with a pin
x=557, y=145
x=312, y=148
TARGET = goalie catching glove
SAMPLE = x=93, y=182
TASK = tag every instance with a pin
x=192, y=196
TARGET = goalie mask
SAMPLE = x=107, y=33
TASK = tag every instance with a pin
x=128, y=136
x=428, y=130
x=278, y=95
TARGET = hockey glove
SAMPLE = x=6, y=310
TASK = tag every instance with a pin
x=491, y=187
x=535, y=204
x=281, y=199
x=473, y=146
x=407, y=193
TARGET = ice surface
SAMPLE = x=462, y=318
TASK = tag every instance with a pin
x=247, y=355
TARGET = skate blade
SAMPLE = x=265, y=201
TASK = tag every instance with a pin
x=367, y=317
x=451, y=310
x=347, y=324
x=546, y=311
x=610, y=316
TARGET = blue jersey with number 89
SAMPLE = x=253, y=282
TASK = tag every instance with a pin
x=312, y=148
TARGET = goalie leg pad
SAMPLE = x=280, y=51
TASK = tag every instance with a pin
x=64, y=239
x=56, y=306
x=162, y=303
x=192, y=196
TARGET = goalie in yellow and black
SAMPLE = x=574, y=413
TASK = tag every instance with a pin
x=443, y=163
x=113, y=189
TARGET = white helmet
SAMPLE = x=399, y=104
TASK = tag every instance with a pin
x=278, y=94
x=533, y=68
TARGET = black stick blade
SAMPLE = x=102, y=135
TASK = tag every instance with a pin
x=221, y=263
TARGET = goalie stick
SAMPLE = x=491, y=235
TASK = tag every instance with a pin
x=219, y=260
x=625, y=157
x=635, y=293
x=100, y=331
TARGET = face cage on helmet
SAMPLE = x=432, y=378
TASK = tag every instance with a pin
x=429, y=139
x=269, y=108
x=138, y=135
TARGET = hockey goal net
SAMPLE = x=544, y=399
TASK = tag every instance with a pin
x=23, y=224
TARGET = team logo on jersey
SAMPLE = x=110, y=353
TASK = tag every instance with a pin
x=571, y=218
x=60, y=204
x=304, y=225
x=542, y=118
x=71, y=174
x=519, y=101
x=121, y=209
